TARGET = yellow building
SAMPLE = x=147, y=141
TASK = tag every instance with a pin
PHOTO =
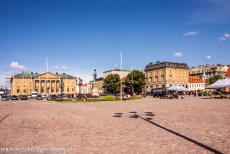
x=100, y=85
x=44, y=83
x=166, y=74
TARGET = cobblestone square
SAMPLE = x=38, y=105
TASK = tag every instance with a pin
x=148, y=125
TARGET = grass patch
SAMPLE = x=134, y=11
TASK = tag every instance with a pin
x=136, y=97
x=101, y=98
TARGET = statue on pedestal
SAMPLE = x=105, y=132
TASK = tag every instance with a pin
x=95, y=91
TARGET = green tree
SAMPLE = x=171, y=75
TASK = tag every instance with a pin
x=112, y=83
x=135, y=81
x=213, y=79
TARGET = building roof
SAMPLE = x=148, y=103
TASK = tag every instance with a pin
x=33, y=75
x=116, y=70
x=194, y=79
x=165, y=64
x=99, y=79
x=209, y=66
x=26, y=75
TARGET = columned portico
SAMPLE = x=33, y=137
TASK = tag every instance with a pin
x=45, y=83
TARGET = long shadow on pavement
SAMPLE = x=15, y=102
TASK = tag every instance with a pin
x=135, y=115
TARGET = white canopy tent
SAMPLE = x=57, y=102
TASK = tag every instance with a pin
x=177, y=88
x=222, y=83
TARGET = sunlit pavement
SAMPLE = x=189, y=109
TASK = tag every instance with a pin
x=149, y=125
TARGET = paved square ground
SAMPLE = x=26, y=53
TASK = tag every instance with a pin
x=191, y=125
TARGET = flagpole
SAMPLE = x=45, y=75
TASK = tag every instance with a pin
x=121, y=75
x=46, y=72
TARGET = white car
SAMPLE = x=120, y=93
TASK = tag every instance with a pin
x=34, y=94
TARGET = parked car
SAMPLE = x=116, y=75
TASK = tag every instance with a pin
x=51, y=97
x=44, y=96
x=39, y=97
x=14, y=97
x=34, y=94
x=159, y=92
x=23, y=97
x=5, y=98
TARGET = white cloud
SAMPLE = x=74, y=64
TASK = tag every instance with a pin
x=190, y=33
x=2, y=81
x=178, y=54
x=5, y=76
x=60, y=67
x=224, y=37
x=209, y=57
x=85, y=75
x=15, y=65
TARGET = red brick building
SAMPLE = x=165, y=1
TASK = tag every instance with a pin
x=228, y=73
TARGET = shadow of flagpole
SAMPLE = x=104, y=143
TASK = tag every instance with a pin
x=183, y=136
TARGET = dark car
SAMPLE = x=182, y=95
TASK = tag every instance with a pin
x=158, y=92
x=14, y=97
x=52, y=97
x=23, y=97
x=5, y=98
x=39, y=97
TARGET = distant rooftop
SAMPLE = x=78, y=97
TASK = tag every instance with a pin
x=116, y=69
x=164, y=64
x=32, y=75
x=209, y=66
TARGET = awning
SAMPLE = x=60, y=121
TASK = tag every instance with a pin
x=177, y=88
x=222, y=83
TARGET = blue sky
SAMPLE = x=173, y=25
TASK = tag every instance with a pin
x=80, y=35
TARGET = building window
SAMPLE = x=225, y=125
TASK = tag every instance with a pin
x=18, y=91
x=67, y=89
x=24, y=90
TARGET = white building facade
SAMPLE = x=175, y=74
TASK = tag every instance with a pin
x=196, y=84
x=121, y=73
x=85, y=88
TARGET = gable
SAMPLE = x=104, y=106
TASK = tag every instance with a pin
x=48, y=75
